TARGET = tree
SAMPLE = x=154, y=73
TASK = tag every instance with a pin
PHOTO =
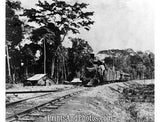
x=65, y=16
x=138, y=64
x=56, y=19
x=29, y=58
x=13, y=24
x=79, y=55
x=49, y=35
x=13, y=35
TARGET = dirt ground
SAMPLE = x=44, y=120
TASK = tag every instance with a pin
x=104, y=104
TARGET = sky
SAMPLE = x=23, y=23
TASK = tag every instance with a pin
x=119, y=24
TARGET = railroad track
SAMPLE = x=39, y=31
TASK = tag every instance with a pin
x=18, y=101
x=31, y=114
x=39, y=91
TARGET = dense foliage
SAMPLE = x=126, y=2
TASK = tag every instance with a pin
x=139, y=64
x=53, y=22
x=45, y=53
x=14, y=36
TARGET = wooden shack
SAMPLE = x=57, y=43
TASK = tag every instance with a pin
x=39, y=80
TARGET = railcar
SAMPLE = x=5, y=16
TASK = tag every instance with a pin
x=115, y=76
x=94, y=76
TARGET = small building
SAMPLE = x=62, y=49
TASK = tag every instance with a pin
x=39, y=79
x=76, y=81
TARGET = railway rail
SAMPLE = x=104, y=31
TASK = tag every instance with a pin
x=18, y=101
x=37, y=91
x=32, y=113
x=19, y=92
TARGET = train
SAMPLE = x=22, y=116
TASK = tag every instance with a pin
x=110, y=75
x=99, y=73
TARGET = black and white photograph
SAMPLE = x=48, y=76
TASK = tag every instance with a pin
x=79, y=61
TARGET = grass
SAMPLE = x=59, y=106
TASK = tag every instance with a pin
x=139, y=95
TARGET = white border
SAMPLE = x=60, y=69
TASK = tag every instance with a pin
x=157, y=61
x=157, y=65
x=2, y=61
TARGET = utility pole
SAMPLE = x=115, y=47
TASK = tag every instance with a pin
x=9, y=70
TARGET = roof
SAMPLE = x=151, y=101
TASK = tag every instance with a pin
x=76, y=80
x=36, y=77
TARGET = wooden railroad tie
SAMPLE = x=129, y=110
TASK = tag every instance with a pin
x=25, y=120
x=45, y=110
x=37, y=115
x=58, y=104
x=51, y=107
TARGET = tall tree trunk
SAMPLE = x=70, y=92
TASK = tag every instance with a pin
x=44, y=57
x=26, y=72
x=57, y=76
x=26, y=69
x=64, y=69
x=14, y=76
x=56, y=70
x=8, y=63
x=53, y=67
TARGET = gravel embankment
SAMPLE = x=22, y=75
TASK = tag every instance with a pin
x=103, y=104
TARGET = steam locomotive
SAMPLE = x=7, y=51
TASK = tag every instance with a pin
x=98, y=73
x=94, y=76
